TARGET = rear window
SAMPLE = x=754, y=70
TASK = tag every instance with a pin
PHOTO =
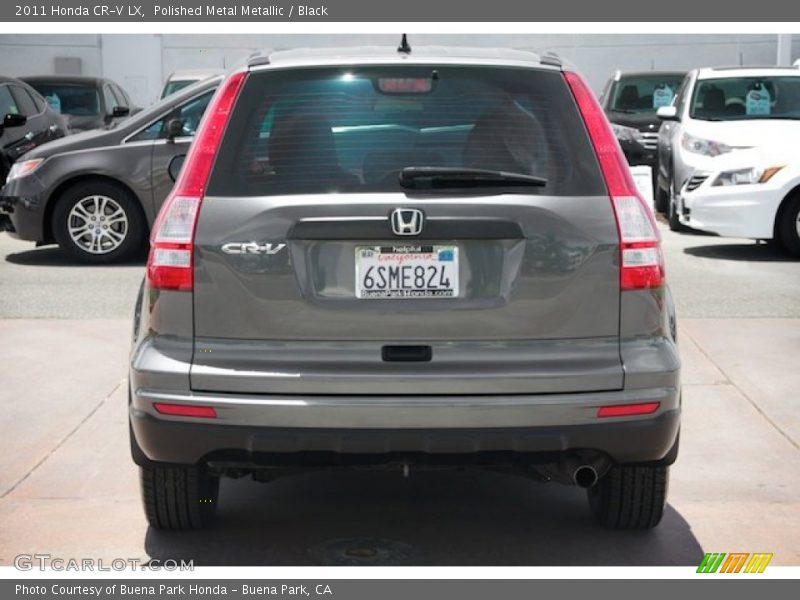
x=327, y=130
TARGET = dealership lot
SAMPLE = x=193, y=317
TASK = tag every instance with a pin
x=69, y=489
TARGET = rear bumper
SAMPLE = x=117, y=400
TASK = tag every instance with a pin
x=249, y=428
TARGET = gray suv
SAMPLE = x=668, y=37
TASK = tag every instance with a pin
x=404, y=260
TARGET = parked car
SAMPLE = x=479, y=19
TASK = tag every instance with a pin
x=25, y=122
x=96, y=193
x=630, y=101
x=393, y=259
x=86, y=102
x=180, y=79
x=726, y=150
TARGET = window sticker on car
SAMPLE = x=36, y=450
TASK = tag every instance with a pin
x=757, y=101
x=55, y=102
x=662, y=96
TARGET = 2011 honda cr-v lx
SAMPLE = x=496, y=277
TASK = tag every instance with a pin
x=405, y=259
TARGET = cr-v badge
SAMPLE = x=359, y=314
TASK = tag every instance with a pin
x=252, y=248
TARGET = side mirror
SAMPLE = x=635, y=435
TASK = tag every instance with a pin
x=14, y=120
x=120, y=111
x=175, y=166
x=667, y=113
x=174, y=129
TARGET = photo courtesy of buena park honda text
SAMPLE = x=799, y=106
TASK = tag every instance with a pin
x=357, y=299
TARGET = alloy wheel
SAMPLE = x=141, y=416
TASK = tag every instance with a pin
x=97, y=224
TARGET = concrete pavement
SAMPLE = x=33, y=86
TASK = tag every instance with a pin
x=68, y=488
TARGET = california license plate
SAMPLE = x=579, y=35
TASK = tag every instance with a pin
x=406, y=271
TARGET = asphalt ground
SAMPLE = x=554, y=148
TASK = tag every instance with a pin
x=69, y=489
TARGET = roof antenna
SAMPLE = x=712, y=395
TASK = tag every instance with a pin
x=404, y=47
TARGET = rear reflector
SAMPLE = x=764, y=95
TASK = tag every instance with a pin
x=185, y=410
x=627, y=410
x=641, y=261
x=171, y=263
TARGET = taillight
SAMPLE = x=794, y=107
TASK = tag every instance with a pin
x=170, y=265
x=641, y=261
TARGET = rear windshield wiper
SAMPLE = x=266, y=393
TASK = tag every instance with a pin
x=460, y=177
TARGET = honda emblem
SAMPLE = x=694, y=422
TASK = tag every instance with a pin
x=407, y=221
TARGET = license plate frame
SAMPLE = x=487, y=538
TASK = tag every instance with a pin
x=440, y=277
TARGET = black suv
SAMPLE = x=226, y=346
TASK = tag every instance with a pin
x=630, y=101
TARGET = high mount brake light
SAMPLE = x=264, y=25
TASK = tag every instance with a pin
x=641, y=261
x=170, y=265
x=394, y=85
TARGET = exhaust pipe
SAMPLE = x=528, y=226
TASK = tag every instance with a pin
x=582, y=471
x=585, y=476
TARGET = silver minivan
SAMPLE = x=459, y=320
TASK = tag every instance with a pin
x=403, y=260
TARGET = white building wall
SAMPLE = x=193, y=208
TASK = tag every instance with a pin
x=35, y=54
x=141, y=62
x=134, y=62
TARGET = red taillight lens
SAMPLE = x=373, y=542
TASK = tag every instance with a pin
x=641, y=261
x=170, y=265
x=628, y=410
x=185, y=410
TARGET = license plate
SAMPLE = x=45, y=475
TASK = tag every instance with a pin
x=406, y=272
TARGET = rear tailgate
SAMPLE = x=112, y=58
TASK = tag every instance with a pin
x=526, y=295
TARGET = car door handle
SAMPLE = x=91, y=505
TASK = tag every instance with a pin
x=29, y=136
x=53, y=128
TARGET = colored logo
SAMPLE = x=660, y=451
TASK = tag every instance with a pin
x=734, y=562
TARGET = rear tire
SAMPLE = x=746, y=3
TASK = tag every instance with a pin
x=77, y=215
x=789, y=227
x=178, y=498
x=630, y=497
